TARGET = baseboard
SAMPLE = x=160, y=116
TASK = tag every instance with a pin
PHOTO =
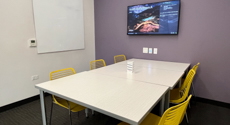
x=22, y=102
x=213, y=102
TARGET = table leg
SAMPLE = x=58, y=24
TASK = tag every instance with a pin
x=162, y=105
x=43, y=107
x=179, y=84
x=167, y=100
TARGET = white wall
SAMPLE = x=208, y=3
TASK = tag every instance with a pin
x=18, y=62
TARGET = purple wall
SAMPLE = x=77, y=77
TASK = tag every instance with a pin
x=203, y=37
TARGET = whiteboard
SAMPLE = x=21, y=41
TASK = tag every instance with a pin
x=59, y=25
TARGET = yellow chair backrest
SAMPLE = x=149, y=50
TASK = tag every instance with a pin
x=184, y=89
x=196, y=66
x=97, y=64
x=59, y=74
x=173, y=115
x=119, y=58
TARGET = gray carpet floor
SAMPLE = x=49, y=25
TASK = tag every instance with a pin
x=30, y=114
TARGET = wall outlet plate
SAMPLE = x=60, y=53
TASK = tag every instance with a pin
x=34, y=77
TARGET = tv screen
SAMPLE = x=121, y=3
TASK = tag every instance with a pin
x=154, y=18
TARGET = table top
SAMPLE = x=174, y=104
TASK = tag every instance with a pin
x=175, y=66
x=125, y=99
x=144, y=74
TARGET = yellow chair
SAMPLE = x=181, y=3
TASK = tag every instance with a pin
x=119, y=58
x=195, y=67
x=72, y=107
x=172, y=116
x=178, y=95
x=97, y=64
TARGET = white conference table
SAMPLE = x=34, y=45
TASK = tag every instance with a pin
x=148, y=71
x=174, y=66
x=124, y=99
x=163, y=77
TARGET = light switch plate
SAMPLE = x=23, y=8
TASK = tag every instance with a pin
x=155, y=51
x=145, y=49
x=150, y=50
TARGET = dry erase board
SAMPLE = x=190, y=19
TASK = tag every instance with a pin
x=59, y=25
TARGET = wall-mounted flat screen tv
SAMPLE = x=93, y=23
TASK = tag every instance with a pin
x=154, y=18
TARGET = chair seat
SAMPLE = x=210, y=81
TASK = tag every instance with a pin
x=151, y=119
x=64, y=103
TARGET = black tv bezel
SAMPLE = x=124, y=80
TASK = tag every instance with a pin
x=178, y=26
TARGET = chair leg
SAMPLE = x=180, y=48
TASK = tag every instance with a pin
x=189, y=105
x=186, y=117
x=193, y=91
x=70, y=117
x=69, y=112
x=86, y=112
x=51, y=112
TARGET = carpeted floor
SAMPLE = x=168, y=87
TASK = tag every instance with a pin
x=30, y=114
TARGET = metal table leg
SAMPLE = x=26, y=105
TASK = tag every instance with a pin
x=162, y=105
x=43, y=107
x=167, y=100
